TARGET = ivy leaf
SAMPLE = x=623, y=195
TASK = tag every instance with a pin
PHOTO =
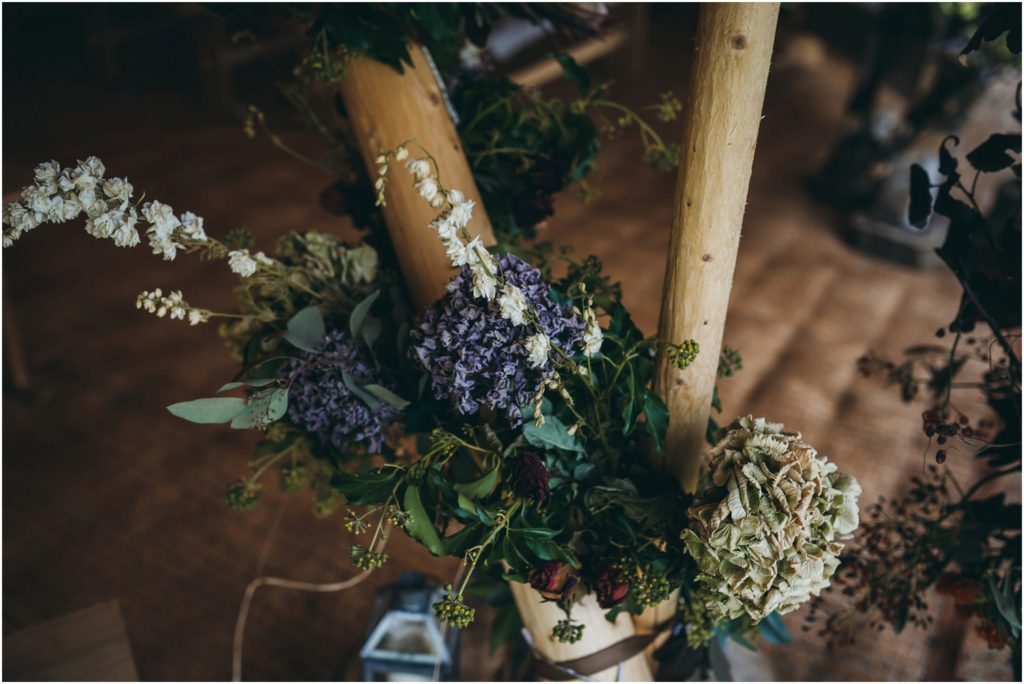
x=552, y=435
x=576, y=74
x=548, y=550
x=361, y=489
x=991, y=156
x=386, y=395
x=774, y=630
x=421, y=527
x=479, y=488
x=358, y=317
x=535, y=532
x=468, y=505
x=657, y=419
x=208, y=411
x=306, y=329
x=511, y=554
x=920, y=197
x=465, y=539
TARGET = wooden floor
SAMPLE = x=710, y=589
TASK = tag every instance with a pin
x=107, y=496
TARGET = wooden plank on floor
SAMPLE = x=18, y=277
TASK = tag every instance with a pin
x=87, y=645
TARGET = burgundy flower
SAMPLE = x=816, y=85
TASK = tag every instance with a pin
x=554, y=580
x=611, y=588
x=528, y=476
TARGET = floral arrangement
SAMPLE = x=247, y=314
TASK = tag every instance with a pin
x=510, y=425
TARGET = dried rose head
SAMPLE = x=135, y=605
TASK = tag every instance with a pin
x=528, y=476
x=611, y=588
x=554, y=580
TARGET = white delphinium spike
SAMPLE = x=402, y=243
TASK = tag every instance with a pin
x=537, y=347
x=197, y=316
x=593, y=336
x=513, y=304
x=462, y=211
x=456, y=250
x=61, y=195
x=241, y=263
x=118, y=191
x=484, y=267
x=173, y=306
x=444, y=227
x=192, y=226
x=125, y=234
x=429, y=190
x=485, y=285
x=419, y=168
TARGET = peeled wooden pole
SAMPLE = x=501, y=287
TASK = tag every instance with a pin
x=722, y=115
x=387, y=108
x=734, y=47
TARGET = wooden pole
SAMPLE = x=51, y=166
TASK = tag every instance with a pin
x=734, y=47
x=723, y=112
x=386, y=109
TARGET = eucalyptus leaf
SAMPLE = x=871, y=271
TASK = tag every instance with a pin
x=774, y=630
x=386, y=395
x=212, y=410
x=262, y=409
x=361, y=392
x=371, y=330
x=552, y=435
x=1005, y=603
x=421, y=527
x=259, y=382
x=359, y=313
x=306, y=329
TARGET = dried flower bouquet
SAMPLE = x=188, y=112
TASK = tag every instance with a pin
x=510, y=425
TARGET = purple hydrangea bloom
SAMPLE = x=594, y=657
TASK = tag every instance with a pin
x=477, y=358
x=320, y=402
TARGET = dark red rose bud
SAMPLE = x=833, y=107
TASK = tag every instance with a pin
x=528, y=476
x=611, y=588
x=554, y=580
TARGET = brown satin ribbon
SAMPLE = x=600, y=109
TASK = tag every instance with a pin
x=607, y=657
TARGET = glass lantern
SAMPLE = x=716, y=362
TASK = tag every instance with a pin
x=406, y=643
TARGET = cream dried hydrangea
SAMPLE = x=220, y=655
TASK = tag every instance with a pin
x=765, y=531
